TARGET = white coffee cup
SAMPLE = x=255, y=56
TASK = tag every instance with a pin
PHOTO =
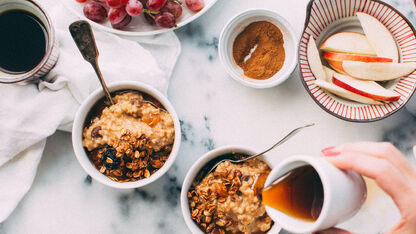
x=52, y=51
x=344, y=194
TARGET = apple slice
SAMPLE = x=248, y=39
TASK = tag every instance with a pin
x=348, y=42
x=345, y=93
x=355, y=57
x=379, y=37
x=377, y=71
x=329, y=73
x=336, y=65
x=369, y=89
x=314, y=60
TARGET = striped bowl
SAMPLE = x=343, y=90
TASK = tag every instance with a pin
x=326, y=17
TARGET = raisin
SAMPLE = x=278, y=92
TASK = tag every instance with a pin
x=245, y=178
x=109, y=159
x=96, y=132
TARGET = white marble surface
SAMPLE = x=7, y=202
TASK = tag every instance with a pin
x=214, y=110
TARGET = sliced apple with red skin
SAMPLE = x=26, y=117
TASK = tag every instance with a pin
x=348, y=42
x=345, y=93
x=314, y=60
x=379, y=37
x=336, y=65
x=377, y=71
x=369, y=89
x=355, y=57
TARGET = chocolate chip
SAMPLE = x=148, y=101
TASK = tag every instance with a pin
x=96, y=132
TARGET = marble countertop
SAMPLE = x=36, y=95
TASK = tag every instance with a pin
x=214, y=110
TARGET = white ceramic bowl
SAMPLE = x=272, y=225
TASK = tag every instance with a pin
x=196, y=167
x=82, y=114
x=236, y=25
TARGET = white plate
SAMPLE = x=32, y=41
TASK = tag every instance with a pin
x=139, y=26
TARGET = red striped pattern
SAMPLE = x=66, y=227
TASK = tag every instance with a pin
x=325, y=12
x=49, y=64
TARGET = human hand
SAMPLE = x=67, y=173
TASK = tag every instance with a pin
x=387, y=166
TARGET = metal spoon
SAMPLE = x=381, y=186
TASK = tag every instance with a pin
x=84, y=38
x=212, y=165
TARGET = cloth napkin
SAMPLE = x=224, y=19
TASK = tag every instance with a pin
x=30, y=113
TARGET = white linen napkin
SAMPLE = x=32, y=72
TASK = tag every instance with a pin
x=31, y=113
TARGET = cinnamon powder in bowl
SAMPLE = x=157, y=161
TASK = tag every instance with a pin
x=258, y=48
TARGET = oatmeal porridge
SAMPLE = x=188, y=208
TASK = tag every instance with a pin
x=228, y=201
x=131, y=139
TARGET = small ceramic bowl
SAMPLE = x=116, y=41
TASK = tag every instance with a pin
x=236, y=25
x=85, y=109
x=196, y=167
x=325, y=18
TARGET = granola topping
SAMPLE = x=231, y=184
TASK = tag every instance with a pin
x=226, y=200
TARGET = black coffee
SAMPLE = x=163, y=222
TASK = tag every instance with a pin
x=23, y=41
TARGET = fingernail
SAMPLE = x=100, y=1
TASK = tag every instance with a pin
x=329, y=152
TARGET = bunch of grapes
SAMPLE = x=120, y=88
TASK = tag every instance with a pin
x=163, y=13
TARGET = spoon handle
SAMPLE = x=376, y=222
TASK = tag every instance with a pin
x=283, y=140
x=83, y=36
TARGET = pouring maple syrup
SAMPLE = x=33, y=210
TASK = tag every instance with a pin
x=299, y=193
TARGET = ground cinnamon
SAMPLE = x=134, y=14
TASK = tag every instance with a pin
x=259, y=50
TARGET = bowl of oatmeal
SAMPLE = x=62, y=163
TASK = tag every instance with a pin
x=226, y=200
x=131, y=143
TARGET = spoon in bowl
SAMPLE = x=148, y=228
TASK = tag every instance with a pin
x=213, y=164
x=82, y=34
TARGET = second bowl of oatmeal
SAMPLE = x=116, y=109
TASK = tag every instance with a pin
x=131, y=143
x=226, y=200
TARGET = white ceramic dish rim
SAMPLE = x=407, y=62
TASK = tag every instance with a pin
x=251, y=82
x=148, y=33
x=82, y=113
x=195, y=169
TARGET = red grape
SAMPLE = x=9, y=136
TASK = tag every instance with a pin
x=116, y=3
x=165, y=20
x=174, y=8
x=95, y=12
x=116, y=15
x=155, y=5
x=134, y=7
x=102, y=1
x=195, y=5
x=81, y=1
x=123, y=23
